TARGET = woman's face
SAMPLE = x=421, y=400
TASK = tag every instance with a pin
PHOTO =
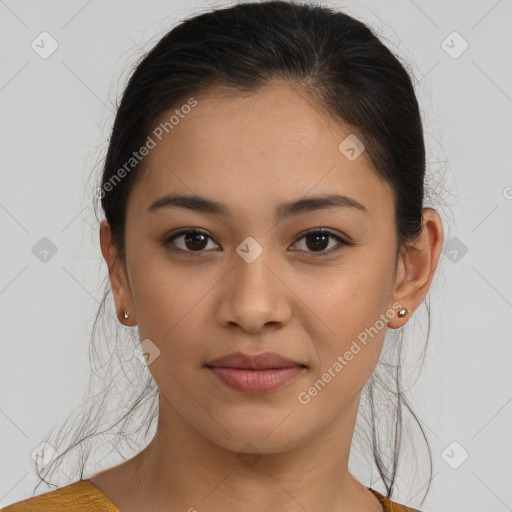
x=255, y=283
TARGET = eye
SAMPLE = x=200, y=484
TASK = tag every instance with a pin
x=192, y=241
x=318, y=240
x=189, y=241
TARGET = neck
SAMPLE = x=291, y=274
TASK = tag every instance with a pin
x=184, y=468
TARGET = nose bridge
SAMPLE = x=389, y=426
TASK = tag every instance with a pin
x=253, y=261
x=254, y=296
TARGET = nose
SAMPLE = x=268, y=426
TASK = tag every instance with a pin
x=254, y=294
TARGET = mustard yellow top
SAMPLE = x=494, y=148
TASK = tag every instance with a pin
x=84, y=496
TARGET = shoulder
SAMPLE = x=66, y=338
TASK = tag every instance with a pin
x=389, y=505
x=393, y=506
x=79, y=496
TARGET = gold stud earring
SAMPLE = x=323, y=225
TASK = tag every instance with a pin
x=402, y=312
x=125, y=313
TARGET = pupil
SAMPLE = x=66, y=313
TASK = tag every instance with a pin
x=193, y=238
x=316, y=237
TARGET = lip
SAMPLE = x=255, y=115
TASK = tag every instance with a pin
x=260, y=373
x=264, y=361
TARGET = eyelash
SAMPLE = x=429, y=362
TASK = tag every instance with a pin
x=168, y=241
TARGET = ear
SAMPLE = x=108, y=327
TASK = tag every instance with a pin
x=416, y=267
x=118, y=276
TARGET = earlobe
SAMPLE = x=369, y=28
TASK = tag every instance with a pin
x=118, y=279
x=417, y=267
x=402, y=312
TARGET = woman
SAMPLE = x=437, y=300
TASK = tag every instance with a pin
x=263, y=193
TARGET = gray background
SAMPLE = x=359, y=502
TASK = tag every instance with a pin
x=56, y=116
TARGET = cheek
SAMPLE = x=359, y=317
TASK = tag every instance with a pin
x=353, y=293
x=170, y=304
x=352, y=305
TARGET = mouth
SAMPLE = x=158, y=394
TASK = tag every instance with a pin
x=264, y=361
x=259, y=373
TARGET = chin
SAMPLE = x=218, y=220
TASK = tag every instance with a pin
x=257, y=437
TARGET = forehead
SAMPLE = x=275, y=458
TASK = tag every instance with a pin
x=260, y=148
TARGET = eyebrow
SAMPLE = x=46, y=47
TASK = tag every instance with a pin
x=283, y=211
